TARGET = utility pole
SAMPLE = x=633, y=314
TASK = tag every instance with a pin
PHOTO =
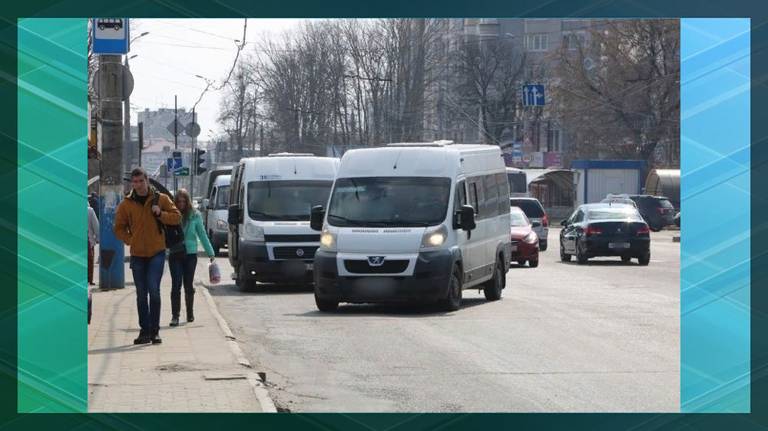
x=175, y=137
x=193, y=164
x=262, y=151
x=111, y=250
x=127, y=149
x=141, y=139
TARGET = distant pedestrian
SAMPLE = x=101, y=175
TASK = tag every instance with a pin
x=136, y=224
x=93, y=239
x=183, y=267
x=93, y=202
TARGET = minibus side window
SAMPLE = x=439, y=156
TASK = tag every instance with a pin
x=473, y=196
x=461, y=196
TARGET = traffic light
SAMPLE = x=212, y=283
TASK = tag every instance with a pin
x=199, y=161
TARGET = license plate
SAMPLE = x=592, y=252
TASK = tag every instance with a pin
x=309, y=266
x=618, y=245
x=514, y=248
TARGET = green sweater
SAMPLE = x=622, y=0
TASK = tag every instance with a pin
x=194, y=230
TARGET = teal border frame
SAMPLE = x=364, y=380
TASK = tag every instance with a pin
x=715, y=264
x=52, y=250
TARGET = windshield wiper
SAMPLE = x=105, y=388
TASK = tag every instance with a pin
x=263, y=214
x=344, y=219
x=397, y=223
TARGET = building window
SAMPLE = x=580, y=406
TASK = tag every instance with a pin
x=553, y=140
x=573, y=40
x=536, y=42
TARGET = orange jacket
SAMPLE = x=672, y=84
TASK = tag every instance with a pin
x=136, y=226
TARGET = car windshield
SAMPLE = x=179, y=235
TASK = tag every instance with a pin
x=286, y=200
x=222, y=198
x=532, y=208
x=625, y=212
x=389, y=201
x=665, y=203
x=518, y=219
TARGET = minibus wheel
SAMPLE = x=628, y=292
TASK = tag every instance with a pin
x=453, y=301
x=492, y=287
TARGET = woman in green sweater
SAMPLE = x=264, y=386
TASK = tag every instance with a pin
x=183, y=263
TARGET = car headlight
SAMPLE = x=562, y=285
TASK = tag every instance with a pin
x=434, y=237
x=253, y=233
x=531, y=238
x=327, y=241
x=221, y=224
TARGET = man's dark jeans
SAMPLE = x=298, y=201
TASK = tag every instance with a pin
x=147, y=273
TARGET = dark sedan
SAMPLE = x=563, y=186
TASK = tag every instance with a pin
x=605, y=230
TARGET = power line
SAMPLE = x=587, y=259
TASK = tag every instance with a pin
x=187, y=46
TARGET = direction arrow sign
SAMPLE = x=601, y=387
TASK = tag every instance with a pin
x=173, y=163
x=182, y=172
x=533, y=95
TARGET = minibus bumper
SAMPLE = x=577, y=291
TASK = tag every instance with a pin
x=428, y=283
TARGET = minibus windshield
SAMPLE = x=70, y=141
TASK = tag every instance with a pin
x=389, y=201
x=286, y=200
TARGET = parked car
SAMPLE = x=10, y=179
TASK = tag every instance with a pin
x=536, y=214
x=677, y=219
x=414, y=222
x=657, y=211
x=525, y=242
x=619, y=199
x=605, y=230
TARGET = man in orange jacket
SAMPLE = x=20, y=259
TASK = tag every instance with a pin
x=137, y=223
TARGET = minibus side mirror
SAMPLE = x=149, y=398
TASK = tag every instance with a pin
x=564, y=223
x=316, y=217
x=467, y=218
x=235, y=215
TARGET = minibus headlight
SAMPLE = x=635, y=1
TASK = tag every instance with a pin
x=434, y=237
x=327, y=241
x=253, y=233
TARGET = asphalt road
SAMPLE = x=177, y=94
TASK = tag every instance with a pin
x=602, y=337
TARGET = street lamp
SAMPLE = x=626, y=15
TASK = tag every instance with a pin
x=141, y=35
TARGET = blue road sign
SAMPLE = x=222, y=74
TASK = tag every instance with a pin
x=110, y=35
x=533, y=95
x=173, y=163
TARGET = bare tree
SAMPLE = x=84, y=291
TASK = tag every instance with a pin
x=619, y=91
x=488, y=76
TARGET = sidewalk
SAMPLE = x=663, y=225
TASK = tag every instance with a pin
x=195, y=369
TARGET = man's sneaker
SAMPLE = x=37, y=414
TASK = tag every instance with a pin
x=156, y=339
x=174, y=321
x=142, y=339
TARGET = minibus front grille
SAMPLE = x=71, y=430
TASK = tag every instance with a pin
x=292, y=238
x=300, y=253
x=388, y=267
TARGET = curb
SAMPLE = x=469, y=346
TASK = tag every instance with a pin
x=254, y=379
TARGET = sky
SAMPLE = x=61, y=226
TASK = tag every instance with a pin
x=175, y=50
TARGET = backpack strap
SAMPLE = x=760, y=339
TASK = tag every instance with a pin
x=155, y=201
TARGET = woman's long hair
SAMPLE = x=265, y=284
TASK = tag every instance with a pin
x=188, y=209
